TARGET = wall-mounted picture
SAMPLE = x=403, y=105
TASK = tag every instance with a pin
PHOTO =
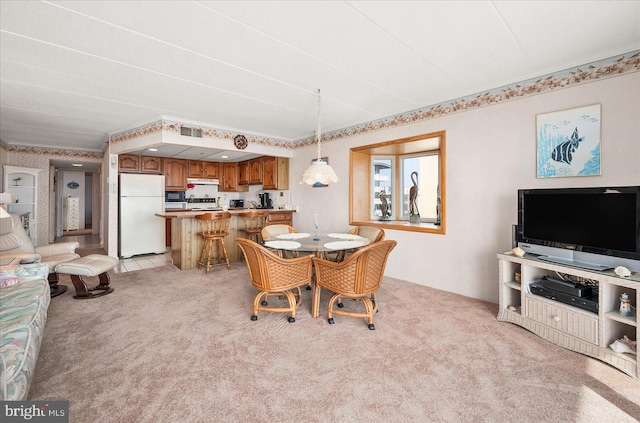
x=568, y=142
x=318, y=184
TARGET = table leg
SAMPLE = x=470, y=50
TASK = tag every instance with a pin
x=315, y=301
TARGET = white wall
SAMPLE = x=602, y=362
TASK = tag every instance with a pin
x=491, y=153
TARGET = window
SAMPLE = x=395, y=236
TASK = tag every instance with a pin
x=390, y=170
x=423, y=171
x=382, y=185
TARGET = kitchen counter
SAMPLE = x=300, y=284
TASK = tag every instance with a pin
x=186, y=243
x=186, y=213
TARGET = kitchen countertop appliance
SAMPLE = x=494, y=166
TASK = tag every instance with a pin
x=141, y=231
x=236, y=204
x=203, y=204
x=265, y=201
x=175, y=205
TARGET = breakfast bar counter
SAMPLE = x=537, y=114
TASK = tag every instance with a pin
x=186, y=243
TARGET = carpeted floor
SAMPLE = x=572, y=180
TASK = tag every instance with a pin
x=179, y=346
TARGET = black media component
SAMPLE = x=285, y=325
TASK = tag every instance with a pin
x=589, y=303
x=570, y=288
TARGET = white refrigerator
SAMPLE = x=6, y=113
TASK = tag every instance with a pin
x=141, y=231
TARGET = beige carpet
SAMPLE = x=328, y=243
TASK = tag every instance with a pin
x=179, y=346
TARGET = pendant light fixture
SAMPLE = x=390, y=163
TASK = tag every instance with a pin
x=319, y=172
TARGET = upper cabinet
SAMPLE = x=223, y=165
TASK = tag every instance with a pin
x=243, y=173
x=175, y=174
x=255, y=171
x=128, y=163
x=194, y=168
x=270, y=172
x=139, y=164
x=211, y=170
x=275, y=173
x=202, y=169
x=229, y=178
x=151, y=165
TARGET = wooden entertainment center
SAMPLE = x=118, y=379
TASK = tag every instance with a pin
x=571, y=327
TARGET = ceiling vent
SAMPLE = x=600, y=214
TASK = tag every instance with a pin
x=191, y=132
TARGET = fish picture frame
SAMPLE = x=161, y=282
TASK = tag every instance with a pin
x=568, y=142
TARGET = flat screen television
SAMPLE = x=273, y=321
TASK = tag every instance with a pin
x=604, y=222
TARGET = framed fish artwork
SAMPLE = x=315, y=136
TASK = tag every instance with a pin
x=568, y=142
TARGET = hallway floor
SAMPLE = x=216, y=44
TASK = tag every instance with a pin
x=92, y=242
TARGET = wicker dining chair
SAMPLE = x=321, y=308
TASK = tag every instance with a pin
x=270, y=233
x=358, y=277
x=370, y=232
x=271, y=274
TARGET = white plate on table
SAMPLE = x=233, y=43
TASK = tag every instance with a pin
x=343, y=245
x=283, y=245
x=292, y=235
x=344, y=236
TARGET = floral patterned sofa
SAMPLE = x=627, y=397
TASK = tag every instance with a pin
x=23, y=313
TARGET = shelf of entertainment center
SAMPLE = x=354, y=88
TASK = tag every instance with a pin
x=514, y=285
x=585, y=331
x=627, y=320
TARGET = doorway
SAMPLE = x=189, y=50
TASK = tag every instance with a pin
x=76, y=199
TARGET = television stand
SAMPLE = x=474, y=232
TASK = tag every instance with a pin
x=570, y=327
x=575, y=263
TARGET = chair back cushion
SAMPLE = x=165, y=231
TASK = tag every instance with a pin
x=371, y=232
x=270, y=232
x=15, y=240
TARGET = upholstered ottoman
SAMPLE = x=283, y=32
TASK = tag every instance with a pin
x=91, y=265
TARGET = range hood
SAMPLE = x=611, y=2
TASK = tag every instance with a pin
x=203, y=181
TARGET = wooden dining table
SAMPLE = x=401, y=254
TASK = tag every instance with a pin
x=318, y=245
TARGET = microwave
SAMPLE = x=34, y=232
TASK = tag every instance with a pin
x=174, y=196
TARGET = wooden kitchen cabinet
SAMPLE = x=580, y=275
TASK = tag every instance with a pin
x=275, y=173
x=194, y=168
x=203, y=169
x=255, y=171
x=229, y=179
x=243, y=173
x=281, y=217
x=175, y=174
x=128, y=163
x=211, y=170
x=167, y=232
x=150, y=164
x=133, y=163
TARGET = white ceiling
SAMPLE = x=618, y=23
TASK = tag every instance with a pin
x=72, y=72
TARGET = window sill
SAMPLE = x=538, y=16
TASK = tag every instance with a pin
x=400, y=225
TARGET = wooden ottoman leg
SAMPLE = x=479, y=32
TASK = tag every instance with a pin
x=83, y=291
x=53, y=285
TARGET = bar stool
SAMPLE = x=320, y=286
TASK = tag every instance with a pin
x=254, y=221
x=213, y=228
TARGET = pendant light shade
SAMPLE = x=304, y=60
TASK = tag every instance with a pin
x=319, y=171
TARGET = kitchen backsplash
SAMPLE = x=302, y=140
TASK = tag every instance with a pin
x=211, y=191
